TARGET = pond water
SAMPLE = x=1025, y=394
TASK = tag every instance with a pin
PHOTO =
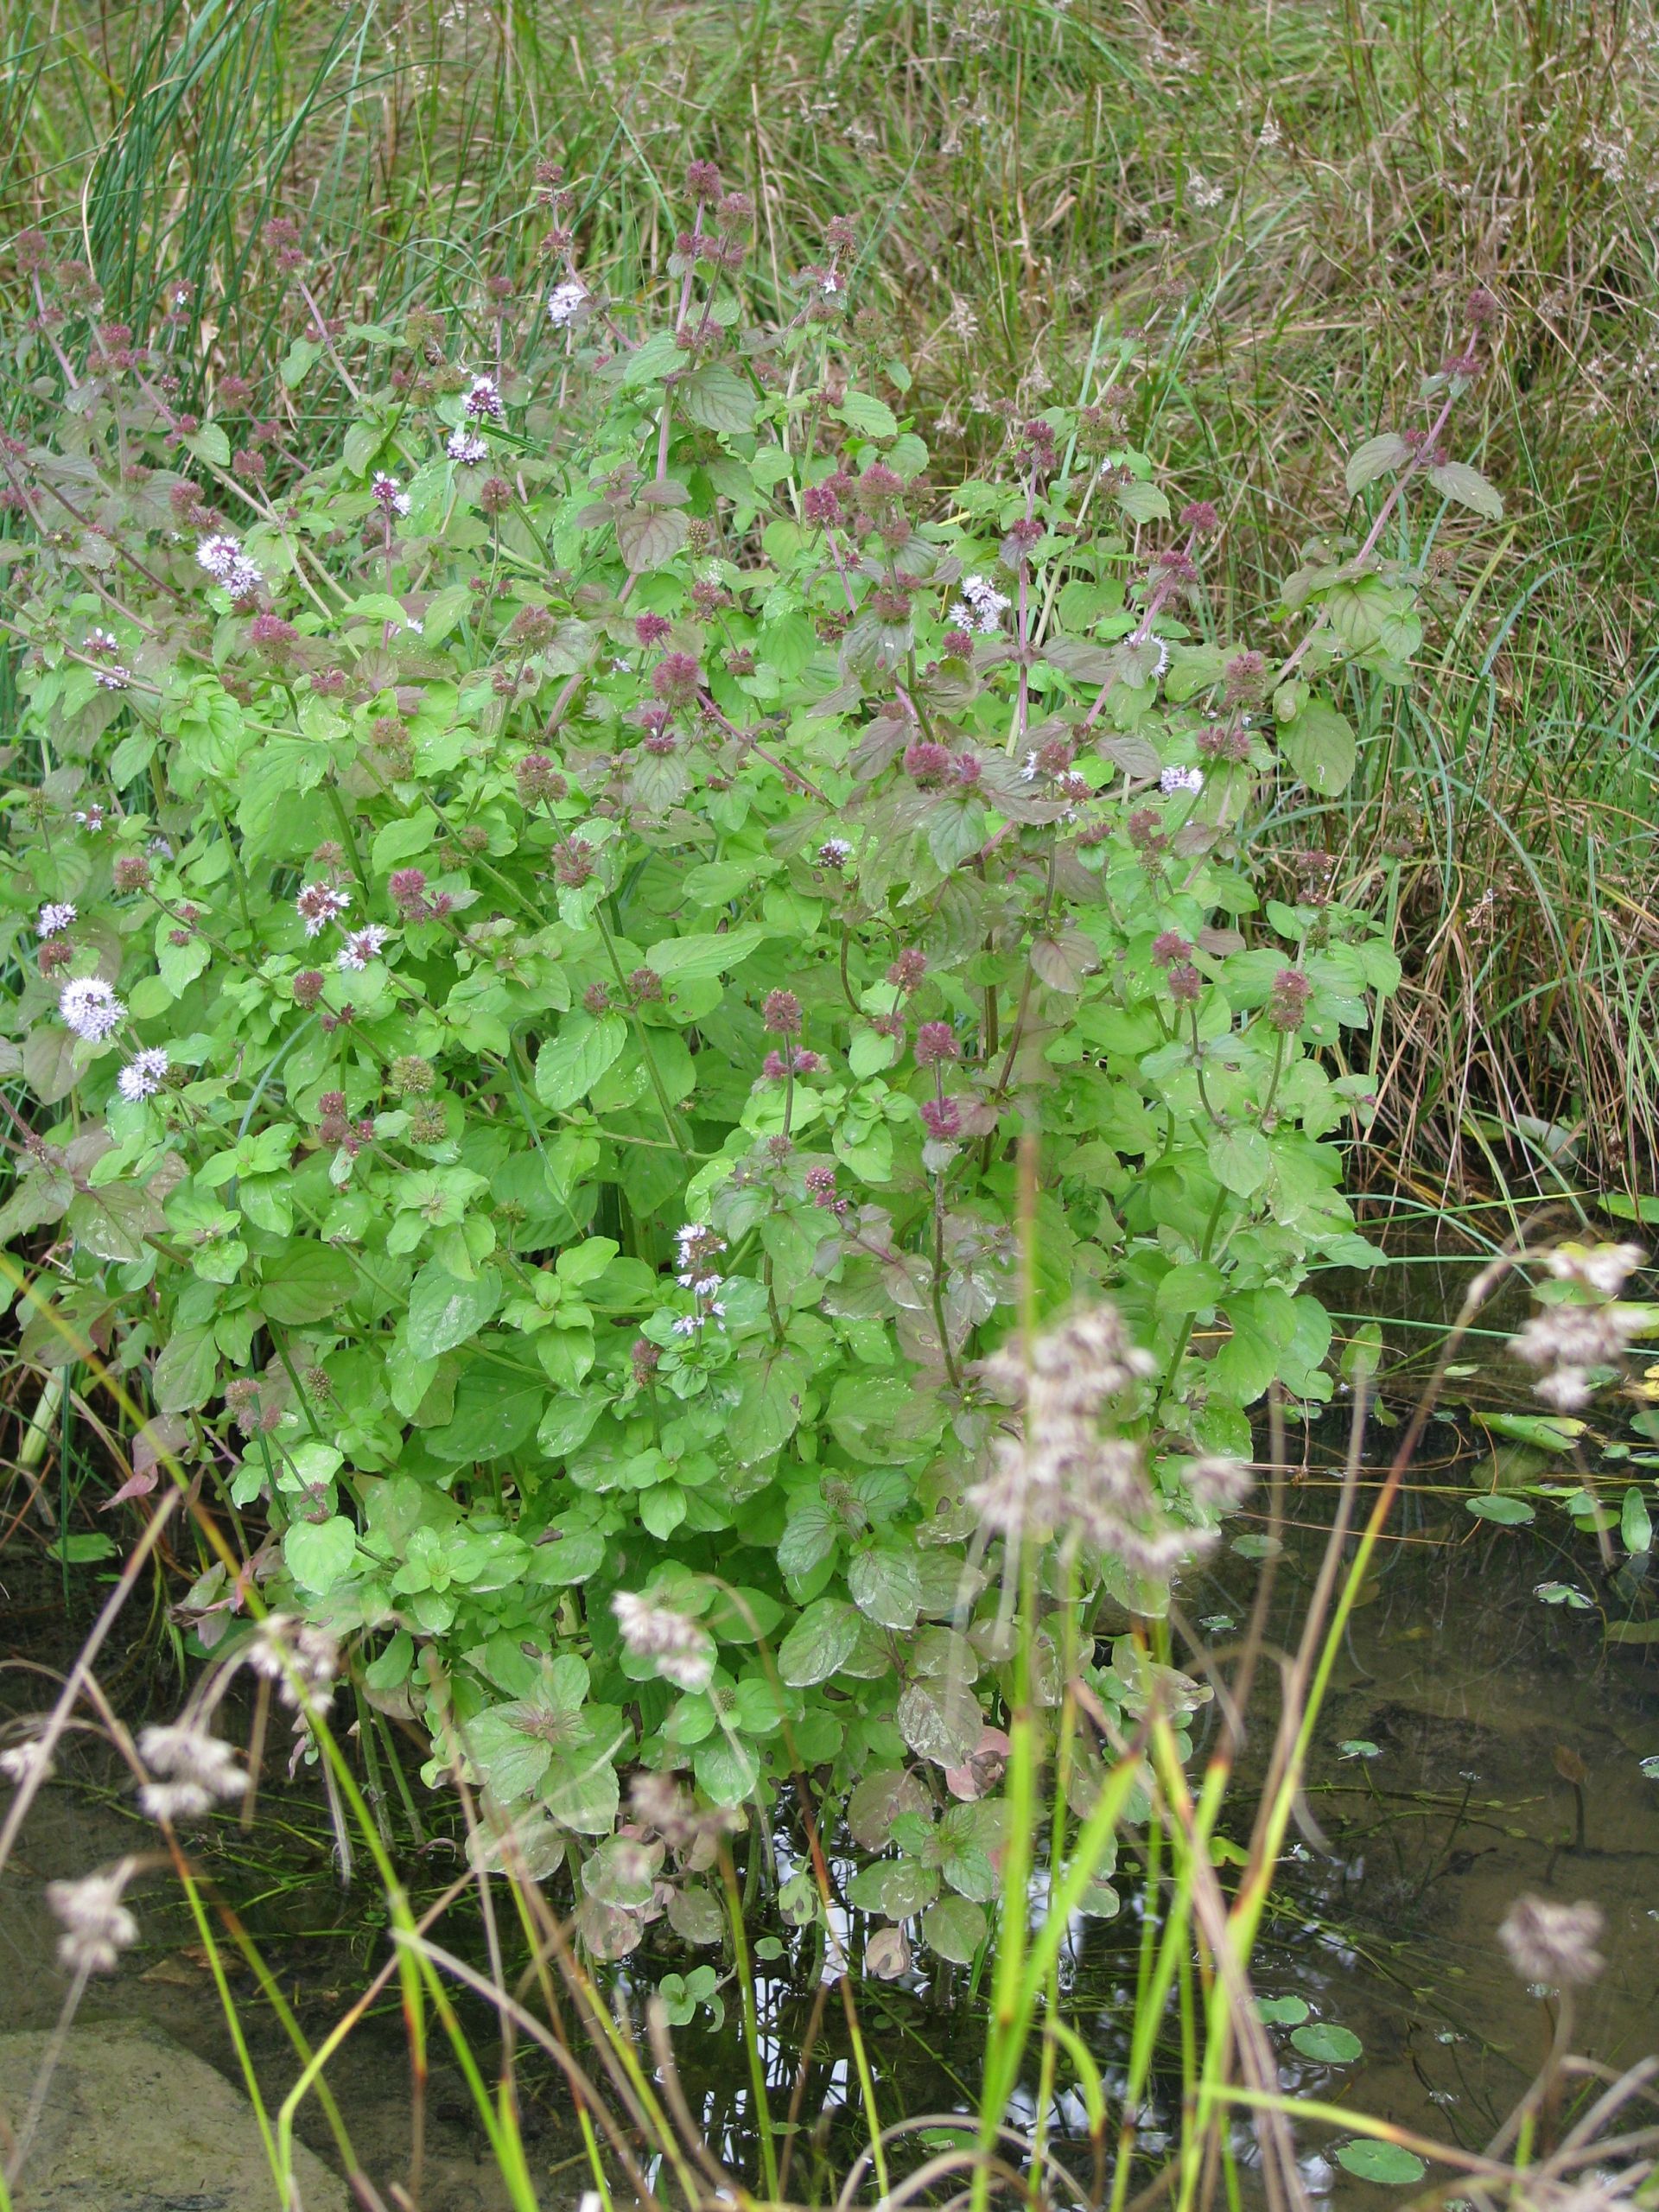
x=1462, y=1707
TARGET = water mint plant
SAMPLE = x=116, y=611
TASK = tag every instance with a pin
x=616, y=964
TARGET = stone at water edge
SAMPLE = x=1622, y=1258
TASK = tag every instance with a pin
x=135, y=2123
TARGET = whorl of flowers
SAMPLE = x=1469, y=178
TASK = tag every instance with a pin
x=300, y=1658
x=465, y=445
x=1180, y=780
x=564, y=302
x=1552, y=1943
x=222, y=557
x=698, y=1247
x=684, y=1651
x=189, y=1767
x=483, y=402
x=55, y=916
x=980, y=607
x=97, y=1926
x=319, y=904
x=143, y=1075
x=91, y=1008
x=1564, y=1343
x=362, y=945
x=1060, y=1474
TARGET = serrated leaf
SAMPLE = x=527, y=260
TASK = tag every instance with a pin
x=1240, y=1159
x=695, y=958
x=647, y=538
x=716, y=397
x=885, y=1586
x=1456, y=481
x=306, y=1282
x=570, y=1063
x=860, y=411
x=940, y=1720
x=318, y=1553
x=1373, y=459
x=1319, y=747
x=1143, y=502
x=819, y=1644
x=444, y=1311
x=954, y=1928
x=186, y=1372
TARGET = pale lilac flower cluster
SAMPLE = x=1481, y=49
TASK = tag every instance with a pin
x=193, y=1766
x=1058, y=1474
x=467, y=445
x=91, y=1008
x=103, y=645
x=143, y=1075
x=564, y=302
x=699, y=1248
x=1552, y=1943
x=319, y=904
x=389, y=495
x=300, y=1659
x=222, y=557
x=684, y=1652
x=835, y=852
x=1180, y=780
x=92, y=818
x=1564, y=1343
x=97, y=1926
x=55, y=916
x=483, y=402
x=980, y=607
x=362, y=945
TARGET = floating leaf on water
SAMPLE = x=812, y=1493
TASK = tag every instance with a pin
x=1546, y=1431
x=1569, y=1766
x=1355, y=1747
x=1501, y=1506
x=1281, y=2011
x=1326, y=2043
x=1562, y=1593
x=1649, y=1766
x=1384, y=2162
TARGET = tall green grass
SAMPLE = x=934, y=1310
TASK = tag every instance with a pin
x=1272, y=214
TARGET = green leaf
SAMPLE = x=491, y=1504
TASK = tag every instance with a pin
x=1373, y=459
x=569, y=1065
x=818, y=1644
x=716, y=397
x=648, y=538
x=1240, y=1159
x=320, y=1553
x=1327, y=2044
x=954, y=1928
x=1501, y=1506
x=307, y=1283
x=1467, y=488
x=885, y=1584
x=873, y=418
x=1281, y=2011
x=1546, y=1431
x=1635, y=1523
x=298, y=362
x=186, y=1370
x=400, y=840
x=703, y=954
x=1319, y=747
x=1142, y=502
x=444, y=1311
x=1384, y=2162
x=1190, y=1287
x=940, y=1720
